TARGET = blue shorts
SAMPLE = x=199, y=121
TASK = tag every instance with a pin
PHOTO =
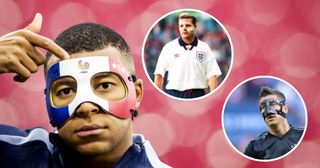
x=190, y=93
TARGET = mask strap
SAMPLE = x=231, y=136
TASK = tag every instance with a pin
x=134, y=112
x=132, y=78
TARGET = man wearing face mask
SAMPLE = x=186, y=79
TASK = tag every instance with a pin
x=92, y=96
x=281, y=137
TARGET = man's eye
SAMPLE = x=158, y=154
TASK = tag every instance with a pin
x=64, y=92
x=273, y=103
x=262, y=106
x=104, y=85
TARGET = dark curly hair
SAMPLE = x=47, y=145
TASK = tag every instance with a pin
x=265, y=91
x=87, y=37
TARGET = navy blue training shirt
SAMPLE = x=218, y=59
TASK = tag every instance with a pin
x=268, y=146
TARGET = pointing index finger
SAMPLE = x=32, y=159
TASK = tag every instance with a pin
x=31, y=34
x=46, y=43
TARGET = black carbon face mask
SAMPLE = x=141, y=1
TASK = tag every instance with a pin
x=267, y=107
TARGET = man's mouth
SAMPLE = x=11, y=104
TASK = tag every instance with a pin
x=271, y=117
x=89, y=130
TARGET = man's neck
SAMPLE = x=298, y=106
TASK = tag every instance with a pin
x=279, y=130
x=188, y=41
x=103, y=161
x=109, y=158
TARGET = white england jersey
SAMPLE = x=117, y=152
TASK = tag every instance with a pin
x=188, y=66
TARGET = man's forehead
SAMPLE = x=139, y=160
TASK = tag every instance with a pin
x=185, y=20
x=107, y=51
x=271, y=96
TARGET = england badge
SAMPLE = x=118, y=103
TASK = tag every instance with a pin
x=201, y=56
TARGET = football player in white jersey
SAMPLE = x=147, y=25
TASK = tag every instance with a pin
x=190, y=63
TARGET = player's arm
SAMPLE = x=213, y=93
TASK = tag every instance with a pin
x=212, y=70
x=213, y=82
x=249, y=151
x=16, y=145
x=18, y=53
x=161, y=67
x=158, y=80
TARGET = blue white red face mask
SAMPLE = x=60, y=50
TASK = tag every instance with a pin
x=83, y=71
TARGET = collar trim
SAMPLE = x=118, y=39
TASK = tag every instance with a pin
x=183, y=44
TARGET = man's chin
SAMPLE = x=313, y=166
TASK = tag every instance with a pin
x=272, y=124
x=185, y=36
x=94, y=148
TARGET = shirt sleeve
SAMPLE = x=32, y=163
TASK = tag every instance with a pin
x=212, y=65
x=29, y=148
x=249, y=150
x=162, y=64
x=15, y=136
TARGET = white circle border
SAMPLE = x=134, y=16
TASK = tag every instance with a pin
x=192, y=10
x=288, y=84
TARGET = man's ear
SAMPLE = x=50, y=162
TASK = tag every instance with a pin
x=285, y=109
x=139, y=91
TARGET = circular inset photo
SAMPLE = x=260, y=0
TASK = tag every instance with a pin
x=187, y=54
x=264, y=118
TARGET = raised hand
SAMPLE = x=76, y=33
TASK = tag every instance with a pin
x=18, y=53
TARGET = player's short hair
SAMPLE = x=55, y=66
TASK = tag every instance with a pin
x=265, y=91
x=87, y=37
x=186, y=15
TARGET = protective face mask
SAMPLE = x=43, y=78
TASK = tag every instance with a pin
x=99, y=80
x=268, y=107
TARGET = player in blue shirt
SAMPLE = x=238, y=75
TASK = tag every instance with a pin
x=92, y=96
x=281, y=137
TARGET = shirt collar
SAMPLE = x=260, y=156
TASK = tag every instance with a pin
x=183, y=44
x=285, y=134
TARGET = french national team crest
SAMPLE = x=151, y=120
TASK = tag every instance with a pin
x=201, y=56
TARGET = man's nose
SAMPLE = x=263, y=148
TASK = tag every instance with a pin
x=86, y=108
x=270, y=110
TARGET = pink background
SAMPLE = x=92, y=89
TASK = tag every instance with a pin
x=271, y=37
